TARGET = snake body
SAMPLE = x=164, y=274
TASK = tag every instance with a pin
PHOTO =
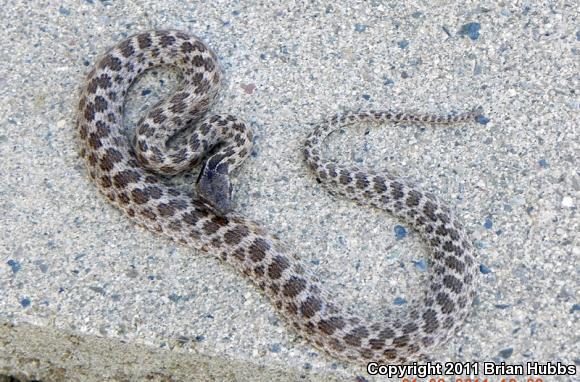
x=131, y=173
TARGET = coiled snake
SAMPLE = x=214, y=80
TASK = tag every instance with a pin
x=131, y=172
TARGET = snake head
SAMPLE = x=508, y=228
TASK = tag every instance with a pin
x=213, y=187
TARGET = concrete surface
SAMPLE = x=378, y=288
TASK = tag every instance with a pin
x=72, y=265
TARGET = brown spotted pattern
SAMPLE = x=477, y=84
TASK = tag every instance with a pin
x=131, y=173
x=446, y=301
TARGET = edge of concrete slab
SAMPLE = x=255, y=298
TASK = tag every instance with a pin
x=48, y=354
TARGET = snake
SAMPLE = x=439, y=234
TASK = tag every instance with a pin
x=133, y=171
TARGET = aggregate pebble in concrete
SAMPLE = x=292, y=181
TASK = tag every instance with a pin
x=70, y=261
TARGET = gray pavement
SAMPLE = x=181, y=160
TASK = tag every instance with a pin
x=70, y=263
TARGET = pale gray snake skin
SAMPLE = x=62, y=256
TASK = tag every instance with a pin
x=132, y=175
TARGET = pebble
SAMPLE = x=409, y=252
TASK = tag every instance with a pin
x=567, y=202
x=400, y=232
x=471, y=30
